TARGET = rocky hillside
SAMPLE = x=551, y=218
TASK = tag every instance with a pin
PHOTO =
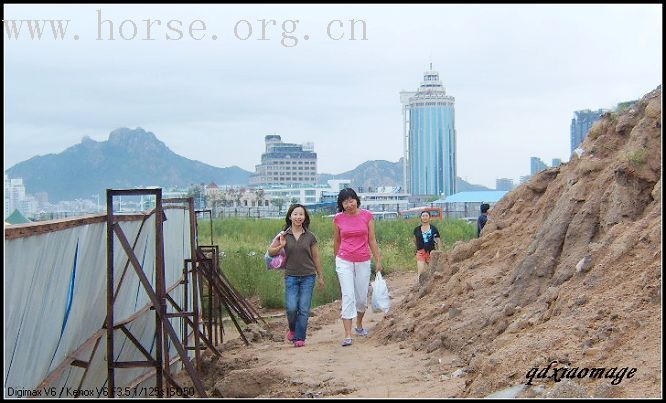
x=130, y=158
x=568, y=269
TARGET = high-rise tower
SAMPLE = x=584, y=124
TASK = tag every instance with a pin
x=429, y=138
x=581, y=124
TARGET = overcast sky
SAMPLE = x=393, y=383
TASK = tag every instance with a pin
x=517, y=73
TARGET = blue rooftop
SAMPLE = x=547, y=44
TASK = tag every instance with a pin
x=486, y=196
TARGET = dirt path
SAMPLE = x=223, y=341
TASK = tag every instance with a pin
x=272, y=367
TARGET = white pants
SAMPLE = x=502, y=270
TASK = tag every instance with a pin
x=354, y=278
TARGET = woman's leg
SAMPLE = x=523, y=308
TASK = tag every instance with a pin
x=421, y=265
x=421, y=268
x=306, y=287
x=291, y=300
x=345, y=272
x=361, y=284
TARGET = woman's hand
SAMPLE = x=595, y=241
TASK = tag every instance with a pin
x=283, y=241
x=320, y=282
x=378, y=267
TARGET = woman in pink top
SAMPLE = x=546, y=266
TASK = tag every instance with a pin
x=354, y=238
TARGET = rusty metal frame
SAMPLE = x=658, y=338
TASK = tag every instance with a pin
x=158, y=297
x=221, y=294
x=210, y=219
x=213, y=299
x=217, y=288
x=228, y=296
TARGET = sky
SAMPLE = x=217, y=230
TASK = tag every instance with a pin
x=517, y=73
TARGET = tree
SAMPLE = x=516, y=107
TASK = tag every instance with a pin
x=199, y=195
x=279, y=202
x=215, y=199
x=260, y=196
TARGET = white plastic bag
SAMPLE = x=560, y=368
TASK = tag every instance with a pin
x=380, y=295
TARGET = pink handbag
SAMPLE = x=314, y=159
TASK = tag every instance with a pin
x=279, y=261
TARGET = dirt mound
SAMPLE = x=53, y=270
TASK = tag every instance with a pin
x=568, y=269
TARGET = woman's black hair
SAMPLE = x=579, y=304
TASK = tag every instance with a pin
x=425, y=212
x=347, y=193
x=287, y=219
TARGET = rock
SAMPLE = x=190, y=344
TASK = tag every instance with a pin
x=550, y=295
x=507, y=393
x=435, y=345
x=517, y=326
x=581, y=300
x=568, y=389
x=458, y=373
x=584, y=264
x=454, y=312
x=653, y=109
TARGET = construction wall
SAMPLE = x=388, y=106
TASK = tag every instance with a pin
x=55, y=301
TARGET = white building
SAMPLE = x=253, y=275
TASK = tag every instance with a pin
x=14, y=195
x=286, y=164
x=386, y=198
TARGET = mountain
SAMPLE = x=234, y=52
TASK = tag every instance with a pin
x=372, y=174
x=462, y=186
x=137, y=158
x=128, y=159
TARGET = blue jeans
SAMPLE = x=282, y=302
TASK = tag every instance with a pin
x=298, y=298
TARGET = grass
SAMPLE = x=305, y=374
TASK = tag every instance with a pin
x=637, y=157
x=243, y=243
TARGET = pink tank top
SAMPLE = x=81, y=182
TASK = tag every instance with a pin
x=354, y=245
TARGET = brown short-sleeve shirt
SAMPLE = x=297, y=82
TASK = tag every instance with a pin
x=299, y=254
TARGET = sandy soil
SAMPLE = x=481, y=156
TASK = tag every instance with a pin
x=271, y=367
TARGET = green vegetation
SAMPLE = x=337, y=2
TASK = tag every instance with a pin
x=622, y=106
x=244, y=242
x=637, y=157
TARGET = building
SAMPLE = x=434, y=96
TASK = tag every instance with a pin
x=524, y=179
x=556, y=162
x=385, y=198
x=429, y=140
x=468, y=204
x=581, y=124
x=286, y=164
x=14, y=195
x=536, y=165
x=505, y=184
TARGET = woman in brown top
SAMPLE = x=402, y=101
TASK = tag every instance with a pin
x=302, y=268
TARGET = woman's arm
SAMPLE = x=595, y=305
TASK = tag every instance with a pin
x=373, y=246
x=275, y=247
x=336, y=239
x=315, y=256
